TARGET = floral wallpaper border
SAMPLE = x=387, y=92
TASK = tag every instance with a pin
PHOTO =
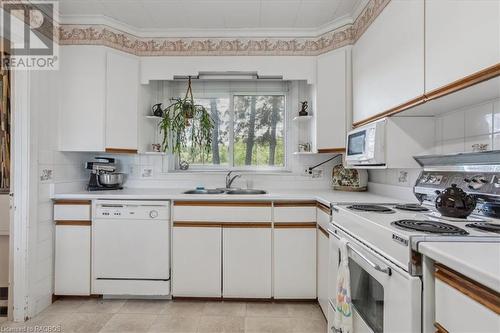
x=143, y=46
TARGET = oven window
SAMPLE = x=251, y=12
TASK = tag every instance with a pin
x=356, y=143
x=367, y=297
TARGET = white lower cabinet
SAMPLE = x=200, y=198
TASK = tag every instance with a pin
x=323, y=260
x=196, y=261
x=294, y=262
x=247, y=259
x=72, y=259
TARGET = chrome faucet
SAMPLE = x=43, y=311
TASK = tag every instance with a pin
x=230, y=180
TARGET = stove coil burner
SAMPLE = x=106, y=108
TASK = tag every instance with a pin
x=371, y=208
x=430, y=227
x=412, y=207
x=484, y=226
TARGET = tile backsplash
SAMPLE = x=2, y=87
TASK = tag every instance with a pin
x=458, y=130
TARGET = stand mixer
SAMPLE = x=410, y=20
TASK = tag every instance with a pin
x=103, y=176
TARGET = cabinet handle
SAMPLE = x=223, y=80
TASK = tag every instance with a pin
x=386, y=270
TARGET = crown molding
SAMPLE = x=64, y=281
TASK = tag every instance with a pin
x=285, y=42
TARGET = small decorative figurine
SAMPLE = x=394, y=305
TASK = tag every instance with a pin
x=157, y=111
x=303, y=109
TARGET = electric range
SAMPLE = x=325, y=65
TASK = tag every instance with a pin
x=385, y=267
x=395, y=231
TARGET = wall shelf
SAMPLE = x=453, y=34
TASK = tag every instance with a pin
x=302, y=118
x=304, y=153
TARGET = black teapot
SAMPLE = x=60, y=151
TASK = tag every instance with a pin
x=454, y=202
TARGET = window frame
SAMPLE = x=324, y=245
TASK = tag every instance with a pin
x=231, y=166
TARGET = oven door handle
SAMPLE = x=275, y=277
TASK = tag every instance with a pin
x=386, y=270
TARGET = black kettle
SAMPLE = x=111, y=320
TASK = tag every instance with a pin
x=454, y=202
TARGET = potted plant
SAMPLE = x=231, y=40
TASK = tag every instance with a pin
x=182, y=120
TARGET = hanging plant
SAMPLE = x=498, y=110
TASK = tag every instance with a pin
x=184, y=119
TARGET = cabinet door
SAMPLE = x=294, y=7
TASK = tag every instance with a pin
x=461, y=38
x=388, y=60
x=323, y=248
x=295, y=261
x=247, y=261
x=72, y=260
x=122, y=86
x=83, y=98
x=333, y=98
x=196, y=261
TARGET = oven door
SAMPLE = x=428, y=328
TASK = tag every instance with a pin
x=385, y=298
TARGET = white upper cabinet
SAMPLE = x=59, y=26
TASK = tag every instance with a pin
x=333, y=98
x=122, y=85
x=388, y=60
x=461, y=38
x=83, y=98
x=98, y=110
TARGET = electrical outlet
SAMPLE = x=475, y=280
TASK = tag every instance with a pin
x=314, y=173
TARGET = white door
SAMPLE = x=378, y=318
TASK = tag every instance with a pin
x=83, y=98
x=72, y=260
x=196, y=261
x=122, y=88
x=388, y=60
x=247, y=261
x=333, y=96
x=323, y=255
x=131, y=249
x=461, y=38
x=295, y=262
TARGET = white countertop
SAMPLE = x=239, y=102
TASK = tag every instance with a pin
x=324, y=196
x=478, y=261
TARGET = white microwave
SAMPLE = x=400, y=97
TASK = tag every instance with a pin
x=366, y=146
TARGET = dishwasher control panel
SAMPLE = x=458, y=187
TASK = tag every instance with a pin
x=143, y=210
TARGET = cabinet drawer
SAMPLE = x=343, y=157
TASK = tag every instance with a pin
x=458, y=304
x=72, y=211
x=222, y=211
x=295, y=212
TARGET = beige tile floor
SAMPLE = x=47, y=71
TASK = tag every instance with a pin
x=97, y=315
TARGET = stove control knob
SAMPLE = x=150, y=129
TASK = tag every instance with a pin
x=153, y=214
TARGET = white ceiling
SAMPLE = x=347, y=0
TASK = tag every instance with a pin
x=213, y=14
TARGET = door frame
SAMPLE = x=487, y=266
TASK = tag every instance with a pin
x=19, y=196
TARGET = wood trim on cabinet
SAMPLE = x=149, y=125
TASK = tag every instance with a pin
x=247, y=225
x=72, y=202
x=324, y=208
x=120, y=151
x=407, y=105
x=192, y=224
x=440, y=328
x=74, y=223
x=470, y=80
x=224, y=203
x=320, y=228
x=331, y=150
x=294, y=203
x=300, y=225
x=481, y=294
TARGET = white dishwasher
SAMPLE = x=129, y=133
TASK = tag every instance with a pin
x=131, y=248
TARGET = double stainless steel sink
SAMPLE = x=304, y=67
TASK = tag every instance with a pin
x=226, y=191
